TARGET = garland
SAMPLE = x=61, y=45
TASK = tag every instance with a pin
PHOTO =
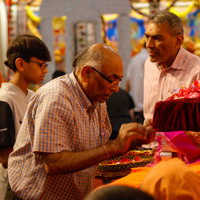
x=146, y=15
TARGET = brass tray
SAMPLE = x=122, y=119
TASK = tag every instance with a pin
x=136, y=158
x=112, y=175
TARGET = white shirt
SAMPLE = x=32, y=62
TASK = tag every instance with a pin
x=17, y=101
x=135, y=75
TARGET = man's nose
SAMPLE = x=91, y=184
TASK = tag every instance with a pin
x=149, y=43
x=115, y=87
x=45, y=70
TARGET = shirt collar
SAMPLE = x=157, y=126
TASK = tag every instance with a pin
x=82, y=96
x=178, y=61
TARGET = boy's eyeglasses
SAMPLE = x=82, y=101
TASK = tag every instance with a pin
x=42, y=65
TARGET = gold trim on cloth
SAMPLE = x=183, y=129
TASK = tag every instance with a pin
x=194, y=137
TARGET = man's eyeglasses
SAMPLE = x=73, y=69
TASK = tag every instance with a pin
x=42, y=65
x=110, y=81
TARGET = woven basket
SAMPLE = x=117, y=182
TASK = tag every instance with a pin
x=145, y=155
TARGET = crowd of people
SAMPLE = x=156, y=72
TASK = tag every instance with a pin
x=52, y=141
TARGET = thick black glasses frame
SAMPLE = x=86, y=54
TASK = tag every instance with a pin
x=102, y=75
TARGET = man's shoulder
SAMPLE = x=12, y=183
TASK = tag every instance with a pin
x=6, y=95
x=190, y=57
x=61, y=89
x=55, y=85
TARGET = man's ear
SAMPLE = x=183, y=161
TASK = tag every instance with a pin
x=19, y=62
x=179, y=41
x=85, y=73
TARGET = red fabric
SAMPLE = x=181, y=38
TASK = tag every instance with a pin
x=177, y=114
x=1, y=79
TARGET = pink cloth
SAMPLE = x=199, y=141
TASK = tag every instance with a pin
x=184, y=142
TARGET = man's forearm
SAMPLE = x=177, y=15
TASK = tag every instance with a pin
x=65, y=161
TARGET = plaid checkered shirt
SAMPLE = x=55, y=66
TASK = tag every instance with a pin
x=59, y=118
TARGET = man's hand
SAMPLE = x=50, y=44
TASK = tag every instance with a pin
x=151, y=132
x=149, y=137
x=148, y=122
x=65, y=161
x=127, y=134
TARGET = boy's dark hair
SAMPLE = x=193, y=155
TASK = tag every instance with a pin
x=25, y=47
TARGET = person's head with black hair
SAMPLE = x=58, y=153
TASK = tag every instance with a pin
x=26, y=47
x=58, y=73
x=164, y=37
x=27, y=57
x=118, y=192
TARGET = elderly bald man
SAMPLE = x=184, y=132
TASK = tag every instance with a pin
x=65, y=131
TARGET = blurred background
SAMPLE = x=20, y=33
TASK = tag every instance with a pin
x=69, y=26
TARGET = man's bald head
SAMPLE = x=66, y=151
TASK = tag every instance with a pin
x=93, y=55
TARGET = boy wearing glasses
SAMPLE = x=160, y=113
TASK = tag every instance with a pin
x=26, y=57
